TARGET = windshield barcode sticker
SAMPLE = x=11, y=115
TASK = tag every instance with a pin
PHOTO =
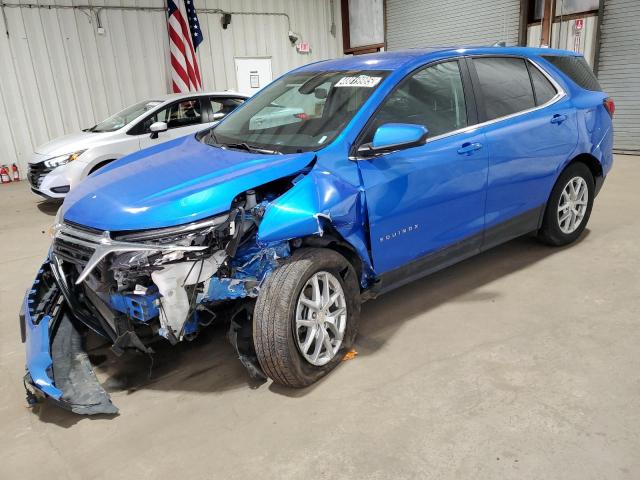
x=359, y=81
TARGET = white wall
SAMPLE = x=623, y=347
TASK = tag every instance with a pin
x=58, y=75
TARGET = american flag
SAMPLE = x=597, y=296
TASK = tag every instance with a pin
x=184, y=37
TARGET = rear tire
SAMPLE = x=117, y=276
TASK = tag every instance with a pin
x=287, y=302
x=569, y=206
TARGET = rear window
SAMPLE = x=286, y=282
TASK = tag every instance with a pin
x=577, y=69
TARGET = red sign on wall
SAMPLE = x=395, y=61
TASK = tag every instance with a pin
x=579, y=23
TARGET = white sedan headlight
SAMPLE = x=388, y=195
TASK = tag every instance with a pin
x=63, y=159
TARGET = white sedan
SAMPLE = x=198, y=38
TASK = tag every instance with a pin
x=57, y=166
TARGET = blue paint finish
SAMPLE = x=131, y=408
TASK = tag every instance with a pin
x=319, y=199
x=38, y=352
x=177, y=182
x=522, y=168
x=226, y=289
x=139, y=307
x=397, y=134
x=253, y=261
x=193, y=324
x=251, y=265
x=424, y=198
x=406, y=60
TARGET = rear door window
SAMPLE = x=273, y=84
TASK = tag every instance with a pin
x=577, y=69
x=542, y=87
x=505, y=85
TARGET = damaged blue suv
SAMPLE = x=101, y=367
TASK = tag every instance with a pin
x=339, y=181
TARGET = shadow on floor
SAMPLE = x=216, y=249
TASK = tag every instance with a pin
x=209, y=363
x=49, y=207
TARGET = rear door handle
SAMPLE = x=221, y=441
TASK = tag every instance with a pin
x=558, y=118
x=468, y=148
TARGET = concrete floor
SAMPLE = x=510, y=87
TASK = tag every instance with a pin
x=521, y=363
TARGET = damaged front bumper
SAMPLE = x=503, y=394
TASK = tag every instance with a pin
x=120, y=288
x=57, y=365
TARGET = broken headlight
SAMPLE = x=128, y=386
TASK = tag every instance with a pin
x=194, y=234
x=175, y=235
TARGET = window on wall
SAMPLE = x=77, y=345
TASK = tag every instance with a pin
x=505, y=86
x=362, y=26
x=432, y=97
x=563, y=7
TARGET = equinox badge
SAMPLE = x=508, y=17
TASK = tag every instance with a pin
x=397, y=233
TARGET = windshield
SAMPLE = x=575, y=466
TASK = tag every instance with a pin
x=300, y=112
x=126, y=116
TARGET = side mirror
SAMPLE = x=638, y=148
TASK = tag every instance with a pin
x=156, y=128
x=219, y=115
x=395, y=136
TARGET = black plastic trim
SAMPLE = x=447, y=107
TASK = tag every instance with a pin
x=517, y=226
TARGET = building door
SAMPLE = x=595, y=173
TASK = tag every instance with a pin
x=252, y=74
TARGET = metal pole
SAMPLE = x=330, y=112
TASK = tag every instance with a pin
x=96, y=9
x=596, y=56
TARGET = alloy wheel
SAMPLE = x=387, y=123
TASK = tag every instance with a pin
x=321, y=318
x=572, y=205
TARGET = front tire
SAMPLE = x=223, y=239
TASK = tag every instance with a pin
x=306, y=317
x=569, y=206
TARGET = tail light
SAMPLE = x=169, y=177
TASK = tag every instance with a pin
x=609, y=105
x=301, y=116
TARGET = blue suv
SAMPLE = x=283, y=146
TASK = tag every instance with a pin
x=341, y=180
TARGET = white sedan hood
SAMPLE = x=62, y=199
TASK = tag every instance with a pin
x=71, y=143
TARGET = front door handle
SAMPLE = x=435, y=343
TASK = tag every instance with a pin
x=468, y=148
x=558, y=118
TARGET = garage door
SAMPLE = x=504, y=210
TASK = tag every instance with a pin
x=423, y=23
x=619, y=68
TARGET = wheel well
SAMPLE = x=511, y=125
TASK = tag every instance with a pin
x=591, y=162
x=332, y=240
x=98, y=166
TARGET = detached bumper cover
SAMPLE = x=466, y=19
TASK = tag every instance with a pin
x=57, y=366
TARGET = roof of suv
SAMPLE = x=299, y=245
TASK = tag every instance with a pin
x=401, y=58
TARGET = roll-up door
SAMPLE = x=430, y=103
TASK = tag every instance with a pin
x=619, y=69
x=424, y=23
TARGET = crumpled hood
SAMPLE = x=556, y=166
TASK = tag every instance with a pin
x=72, y=143
x=177, y=182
